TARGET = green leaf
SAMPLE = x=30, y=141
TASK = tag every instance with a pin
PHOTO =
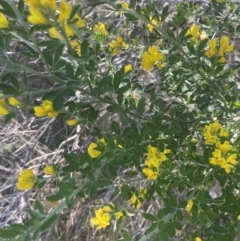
x=72, y=159
x=54, y=198
x=164, y=236
x=20, y=6
x=130, y=17
x=112, y=170
x=49, y=222
x=7, y=9
x=39, y=206
x=84, y=48
x=58, y=102
x=8, y=90
x=117, y=79
x=1, y=42
x=58, y=53
x=115, y=128
x=164, y=13
x=13, y=231
x=191, y=48
x=124, y=118
x=149, y=216
x=47, y=57
x=170, y=33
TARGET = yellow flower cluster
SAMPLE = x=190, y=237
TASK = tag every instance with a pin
x=4, y=110
x=189, y=205
x=213, y=132
x=222, y=158
x=103, y=216
x=117, y=45
x=224, y=47
x=221, y=155
x=45, y=109
x=41, y=12
x=153, y=161
x=194, y=32
x=136, y=199
x=154, y=22
x=100, y=29
x=26, y=180
x=152, y=57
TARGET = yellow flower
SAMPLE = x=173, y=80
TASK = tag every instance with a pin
x=134, y=201
x=33, y=3
x=189, y=205
x=102, y=219
x=117, y=45
x=107, y=209
x=80, y=23
x=26, y=180
x=53, y=33
x=3, y=110
x=45, y=109
x=198, y=239
x=72, y=122
x=224, y=46
x=118, y=215
x=194, y=32
x=3, y=21
x=238, y=217
x=48, y=4
x=91, y=148
x=76, y=45
x=125, y=5
x=65, y=11
x=150, y=174
x=152, y=57
x=212, y=48
x=49, y=170
x=127, y=68
x=220, y=1
x=36, y=17
x=223, y=132
x=99, y=28
x=225, y=147
x=68, y=29
x=92, y=152
x=14, y=102
x=153, y=22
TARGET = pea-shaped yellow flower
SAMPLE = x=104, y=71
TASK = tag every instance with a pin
x=117, y=45
x=48, y=4
x=14, y=102
x=152, y=57
x=49, y=170
x=3, y=21
x=3, y=110
x=65, y=11
x=194, y=32
x=91, y=149
x=26, y=180
x=99, y=28
x=224, y=46
x=101, y=219
x=45, y=109
x=36, y=17
x=198, y=239
x=72, y=122
x=189, y=205
x=153, y=22
x=127, y=68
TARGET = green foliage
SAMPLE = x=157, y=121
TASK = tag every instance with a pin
x=172, y=117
